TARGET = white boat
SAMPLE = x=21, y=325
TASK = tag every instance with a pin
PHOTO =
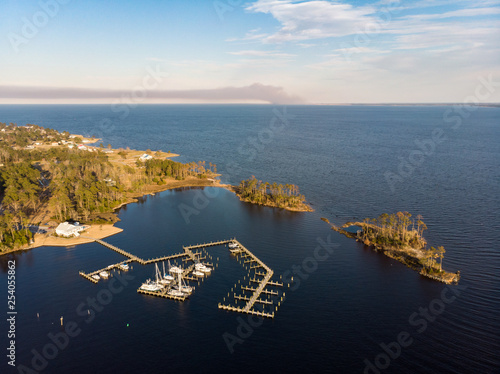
x=232, y=245
x=167, y=276
x=124, y=266
x=174, y=269
x=235, y=250
x=96, y=277
x=181, y=286
x=199, y=274
x=203, y=268
x=164, y=281
x=150, y=286
x=174, y=292
x=159, y=280
x=104, y=274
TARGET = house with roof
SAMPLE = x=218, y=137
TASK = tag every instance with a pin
x=145, y=157
x=68, y=230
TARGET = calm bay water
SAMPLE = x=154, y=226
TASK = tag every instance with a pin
x=342, y=311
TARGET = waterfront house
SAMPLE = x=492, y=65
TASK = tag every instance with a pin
x=68, y=230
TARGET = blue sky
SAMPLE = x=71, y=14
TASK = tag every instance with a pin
x=66, y=51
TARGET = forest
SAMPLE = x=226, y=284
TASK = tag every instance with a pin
x=402, y=232
x=72, y=184
x=271, y=194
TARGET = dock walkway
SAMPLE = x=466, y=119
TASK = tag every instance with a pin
x=246, y=254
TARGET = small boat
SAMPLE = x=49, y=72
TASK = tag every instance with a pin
x=150, y=286
x=175, y=270
x=96, y=277
x=164, y=281
x=166, y=276
x=174, y=292
x=181, y=286
x=159, y=280
x=232, y=245
x=235, y=250
x=104, y=274
x=199, y=274
x=203, y=268
x=124, y=266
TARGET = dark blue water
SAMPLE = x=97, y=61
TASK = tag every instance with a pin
x=345, y=306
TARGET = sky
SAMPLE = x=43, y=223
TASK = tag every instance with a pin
x=261, y=51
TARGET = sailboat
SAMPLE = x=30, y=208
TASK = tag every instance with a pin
x=174, y=292
x=167, y=276
x=174, y=269
x=155, y=285
x=181, y=286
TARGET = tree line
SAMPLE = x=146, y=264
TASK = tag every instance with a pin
x=74, y=184
x=273, y=194
x=401, y=231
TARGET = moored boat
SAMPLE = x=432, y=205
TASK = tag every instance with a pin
x=174, y=292
x=104, y=274
x=150, y=286
x=199, y=274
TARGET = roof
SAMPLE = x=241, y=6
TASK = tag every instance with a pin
x=66, y=228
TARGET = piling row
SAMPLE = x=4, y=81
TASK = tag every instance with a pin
x=238, y=309
x=211, y=244
x=164, y=258
x=120, y=251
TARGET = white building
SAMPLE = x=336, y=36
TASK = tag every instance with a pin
x=145, y=157
x=67, y=230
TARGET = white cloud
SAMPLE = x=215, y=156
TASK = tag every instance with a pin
x=313, y=19
x=261, y=53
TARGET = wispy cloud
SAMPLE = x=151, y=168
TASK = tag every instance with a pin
x=312, y=20
x=261, y=53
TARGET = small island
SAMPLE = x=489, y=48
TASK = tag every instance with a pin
x=273, y=195
x=400, y=237
x=49, y=177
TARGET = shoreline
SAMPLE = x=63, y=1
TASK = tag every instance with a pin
x=43, y=221
x=101, y=231
x=401, y=255
x=303, y=208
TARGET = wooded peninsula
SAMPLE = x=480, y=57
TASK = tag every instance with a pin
x=401, y=237
x=275, y=195
x=48, y=177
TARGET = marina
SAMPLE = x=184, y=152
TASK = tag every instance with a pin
x=174, y=287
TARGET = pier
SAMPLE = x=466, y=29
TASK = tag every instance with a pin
x=190, y=255
x=107, y=268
